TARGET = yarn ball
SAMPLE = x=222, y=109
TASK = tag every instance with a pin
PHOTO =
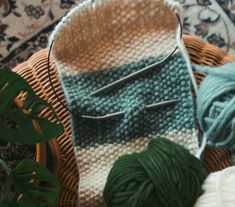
x=216, y=105
x=219, y=189
x=164, y=175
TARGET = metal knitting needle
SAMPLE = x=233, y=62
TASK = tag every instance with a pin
x=122, y=113
x=164, y=103
x=133, y=75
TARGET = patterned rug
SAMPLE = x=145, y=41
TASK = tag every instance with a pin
x=211, y=20
x=26, y=25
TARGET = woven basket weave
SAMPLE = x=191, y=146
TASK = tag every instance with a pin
x=35, y=72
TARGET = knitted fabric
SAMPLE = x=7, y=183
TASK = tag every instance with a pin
x=98, y=43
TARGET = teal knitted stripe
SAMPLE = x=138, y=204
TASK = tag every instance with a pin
x=170, y=81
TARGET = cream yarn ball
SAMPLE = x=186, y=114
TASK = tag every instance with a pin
x=219, y=189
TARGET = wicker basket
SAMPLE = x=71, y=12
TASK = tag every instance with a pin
x=35, y=72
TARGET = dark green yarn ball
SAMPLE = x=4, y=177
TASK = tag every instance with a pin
x=165, y=175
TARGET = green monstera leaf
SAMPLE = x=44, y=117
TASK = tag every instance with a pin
x=8, y=204
x=30, y=184
x=30, y=126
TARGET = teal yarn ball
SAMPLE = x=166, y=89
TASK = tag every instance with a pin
x=216, y=105
x=165, y=175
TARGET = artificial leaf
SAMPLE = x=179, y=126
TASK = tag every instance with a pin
x=27, y=116
x=8, y=204
x=34, y=185
x=6, y=193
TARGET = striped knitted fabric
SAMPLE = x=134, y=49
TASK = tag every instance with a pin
x=99, y=43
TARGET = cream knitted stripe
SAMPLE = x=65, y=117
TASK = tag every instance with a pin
x=95, y=162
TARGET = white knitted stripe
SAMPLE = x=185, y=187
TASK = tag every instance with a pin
x=94, y=163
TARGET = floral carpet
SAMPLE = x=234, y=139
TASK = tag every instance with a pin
x=211, y=20
x=26, y=25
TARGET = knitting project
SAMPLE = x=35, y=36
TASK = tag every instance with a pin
x=100, y=42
